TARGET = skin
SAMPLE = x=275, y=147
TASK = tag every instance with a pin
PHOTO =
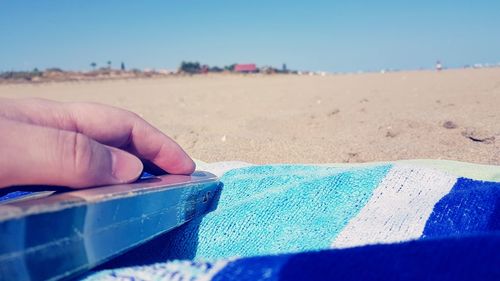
x=80, y=145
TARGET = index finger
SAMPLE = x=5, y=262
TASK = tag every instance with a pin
x=126, y=130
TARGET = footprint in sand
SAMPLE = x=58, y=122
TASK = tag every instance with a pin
x=476, y=135
x=449, y=125
x=333, y=112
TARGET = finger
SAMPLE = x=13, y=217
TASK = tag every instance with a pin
x=63, y=158
x=127, y=130
x=111, y=126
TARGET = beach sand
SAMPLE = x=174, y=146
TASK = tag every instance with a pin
x=453, y=114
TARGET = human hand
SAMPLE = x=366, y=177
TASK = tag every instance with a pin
x=80, y=145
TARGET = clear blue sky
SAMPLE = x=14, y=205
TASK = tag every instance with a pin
x=314, y=35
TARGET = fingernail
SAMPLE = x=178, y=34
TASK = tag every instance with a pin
x=125, y=167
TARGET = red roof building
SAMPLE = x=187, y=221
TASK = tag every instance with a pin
x=245, y=68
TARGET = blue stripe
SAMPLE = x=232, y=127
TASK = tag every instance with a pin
x=465, y=258
x=471, y=207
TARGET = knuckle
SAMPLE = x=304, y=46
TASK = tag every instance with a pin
x=134, y=117
x=77, y=153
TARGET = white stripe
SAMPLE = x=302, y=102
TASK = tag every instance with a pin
x=399, y=207
x=220, y=168
x=216, y=267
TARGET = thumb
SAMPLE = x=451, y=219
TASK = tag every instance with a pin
x=63, y=158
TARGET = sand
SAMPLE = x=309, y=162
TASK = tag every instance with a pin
x=453, y=114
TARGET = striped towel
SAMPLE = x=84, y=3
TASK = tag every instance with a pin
x=402, y=220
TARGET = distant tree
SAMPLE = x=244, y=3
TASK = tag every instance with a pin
x=21, y=75
x=136, y=71
x=35, y=73
x=122, y=66
x=109, y=64
x=215, y=69
x=230, y=67
x=190, y=67
x=93, y=65
x=54, y=69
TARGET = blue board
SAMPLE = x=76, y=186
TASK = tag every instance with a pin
x=66, y=233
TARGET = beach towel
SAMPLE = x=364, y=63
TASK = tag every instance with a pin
x=413, y=220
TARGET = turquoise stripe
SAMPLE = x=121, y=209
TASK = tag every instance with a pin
x=277, y=209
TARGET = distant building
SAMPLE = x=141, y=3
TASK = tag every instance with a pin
x=204, y=69
x=245, y=68
x=267, y=70
x=165, y=71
